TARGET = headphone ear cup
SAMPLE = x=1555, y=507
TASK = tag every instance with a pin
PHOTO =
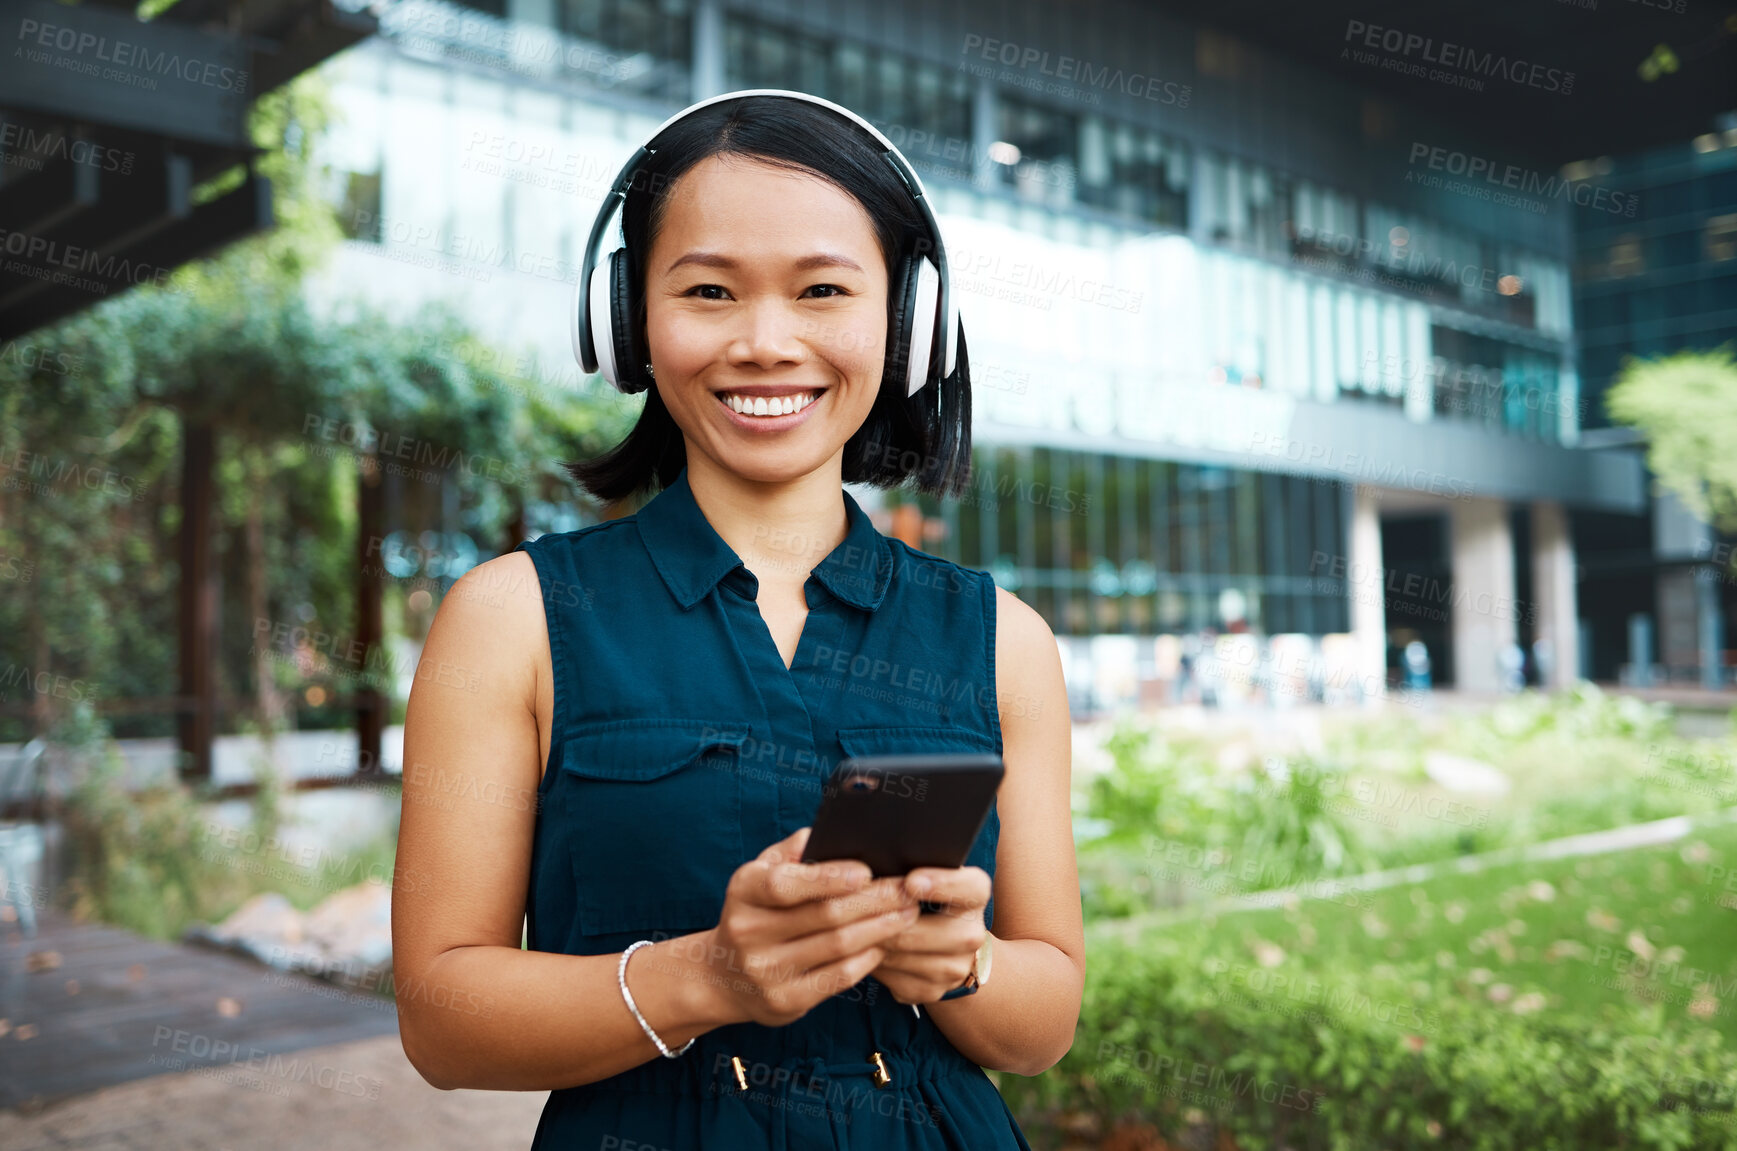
x=904, y=302
x=925, y=310
x=596, y=326
x=630, y=374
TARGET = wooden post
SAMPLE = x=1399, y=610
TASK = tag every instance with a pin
x=197, y=719
x=515, y=525
x=370, y=630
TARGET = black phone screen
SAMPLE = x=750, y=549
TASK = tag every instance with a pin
x=899, y=812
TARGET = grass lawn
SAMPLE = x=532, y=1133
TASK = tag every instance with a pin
x=1587, y=936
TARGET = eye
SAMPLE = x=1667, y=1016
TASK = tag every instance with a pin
x=707, y=288
x=831, y=287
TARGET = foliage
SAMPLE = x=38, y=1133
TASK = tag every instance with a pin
x=152, y=859
x=284, y=125
x=1158, y=786
x=1284, y=822
x=1686, y=404
x=1570, y=1003
x=84, y=549
x=133, y=866
x=1346, y=1063
x=91, y=429
x=1178, y=826
x=1584, y=711
x=1292, y=815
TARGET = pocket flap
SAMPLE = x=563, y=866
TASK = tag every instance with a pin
x=864, y=741
x=641, y=749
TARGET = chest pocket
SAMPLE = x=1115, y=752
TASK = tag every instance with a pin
x=656, y=827
x=865, y=741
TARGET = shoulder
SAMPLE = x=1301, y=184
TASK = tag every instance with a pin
x=1020, y=632
x=1028, y=671
x=487, y=634
x=576, y=561
x=931, y=571
x=613, y=531
x=506, y=597
x=498, y=597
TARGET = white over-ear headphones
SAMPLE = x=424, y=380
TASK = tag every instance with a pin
x=606, y=341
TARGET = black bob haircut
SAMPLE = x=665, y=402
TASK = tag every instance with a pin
x=925, y=437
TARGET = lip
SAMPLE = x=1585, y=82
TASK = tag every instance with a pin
x=769, y=390
x=770, y=423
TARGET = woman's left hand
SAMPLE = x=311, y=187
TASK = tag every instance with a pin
x=934, y=955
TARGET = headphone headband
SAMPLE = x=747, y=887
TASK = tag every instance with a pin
x=590, y=308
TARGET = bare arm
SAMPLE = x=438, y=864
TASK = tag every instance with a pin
x=1022, y=1020
x=474, y=1009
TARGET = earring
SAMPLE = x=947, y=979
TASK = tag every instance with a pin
x=649, y=372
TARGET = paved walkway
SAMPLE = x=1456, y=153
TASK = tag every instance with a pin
x=111, y=1041
x=284, y=1108
x=88, y=1006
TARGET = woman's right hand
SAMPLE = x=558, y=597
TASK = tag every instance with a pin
x=791, y=933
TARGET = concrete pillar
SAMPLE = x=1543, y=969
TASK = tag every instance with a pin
x=985, y=130
x=1483, y=592
x=1367, y=587
x=1640, y=650
x=1679, y=624
x=708, y=50
x=1556, y=626
x=535, y=44
x=1712, y=621
x=540, y=13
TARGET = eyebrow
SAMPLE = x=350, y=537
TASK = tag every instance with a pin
x=806, y=263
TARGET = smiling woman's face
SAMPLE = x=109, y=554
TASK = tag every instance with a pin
x=765, y=287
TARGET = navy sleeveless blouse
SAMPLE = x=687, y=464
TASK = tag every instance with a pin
x=682, y=747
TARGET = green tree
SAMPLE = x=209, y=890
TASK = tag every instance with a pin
x=92, y=436
x=1686, y=405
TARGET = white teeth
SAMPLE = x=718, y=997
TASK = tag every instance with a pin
x=776, y=406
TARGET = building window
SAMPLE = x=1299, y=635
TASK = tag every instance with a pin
x=1271, y=207
x=1502, y=387
x=1719, y=238
x=1246, y=204
x=647, y=44
x=660, y=28
x=1133, y=172
x=1106, y=544
x=1216, y=54
x=1626, y=257
x=925, y=110
x=1037, y=151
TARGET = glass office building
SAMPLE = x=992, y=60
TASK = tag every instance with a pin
x=1648, y=282
x=1233, y=324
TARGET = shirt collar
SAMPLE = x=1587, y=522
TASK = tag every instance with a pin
x=692, y=557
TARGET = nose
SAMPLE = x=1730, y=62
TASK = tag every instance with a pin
x=769, y=336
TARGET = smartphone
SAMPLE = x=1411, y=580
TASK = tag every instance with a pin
x=898, y=812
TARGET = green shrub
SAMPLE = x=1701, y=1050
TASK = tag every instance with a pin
x=147, y=860
x=1298, y=817
x=1578, y=761
x=1161, y=787
x=1584, y=710
x=1359, y=1063
x=135, y=856
x=1286, y=822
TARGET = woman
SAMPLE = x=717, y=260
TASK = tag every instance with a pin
x=635, y=745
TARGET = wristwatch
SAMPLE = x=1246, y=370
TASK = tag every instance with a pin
x=979, y=971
